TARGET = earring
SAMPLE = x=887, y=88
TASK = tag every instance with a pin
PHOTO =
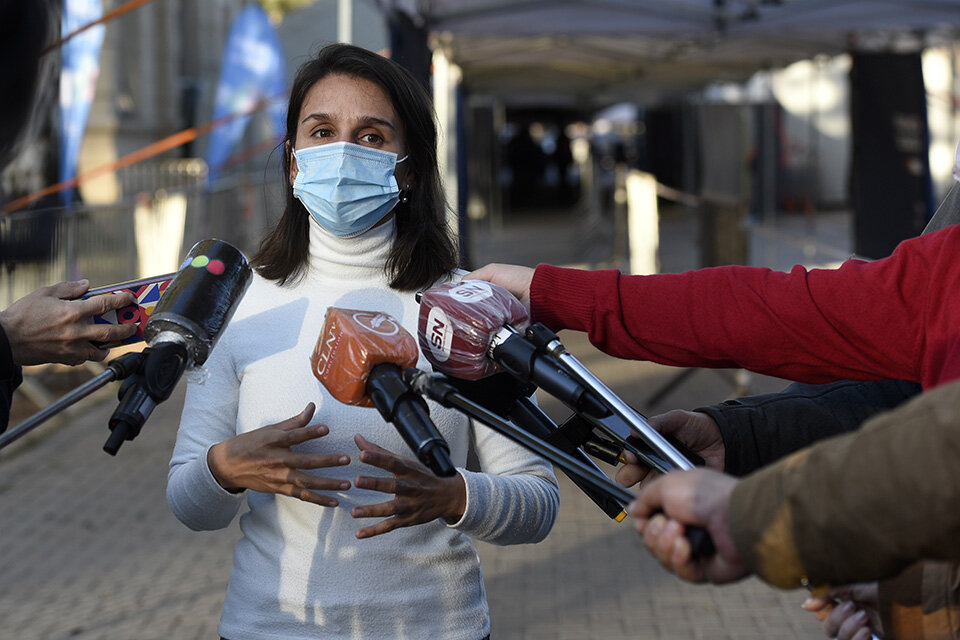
x=405, y=194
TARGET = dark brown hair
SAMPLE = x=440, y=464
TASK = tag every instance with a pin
x=423, y=250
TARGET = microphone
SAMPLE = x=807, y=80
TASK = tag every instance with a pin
x=467, y=330
x=183, y=328
x=359, y=358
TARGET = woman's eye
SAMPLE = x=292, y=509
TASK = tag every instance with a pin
x=371, y=138
x=322, y=133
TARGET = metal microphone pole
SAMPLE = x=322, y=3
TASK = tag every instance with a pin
x=548, y=342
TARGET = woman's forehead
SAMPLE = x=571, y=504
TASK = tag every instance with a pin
x=349, y=97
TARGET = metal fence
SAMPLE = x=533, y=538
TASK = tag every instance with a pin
x=165, y=209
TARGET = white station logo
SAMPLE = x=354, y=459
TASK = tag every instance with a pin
x=378, y=323
x=439, y=334
x=471, y=291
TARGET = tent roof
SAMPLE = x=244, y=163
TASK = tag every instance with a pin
x=600, y=51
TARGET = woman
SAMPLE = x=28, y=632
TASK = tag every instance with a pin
x=363, y=228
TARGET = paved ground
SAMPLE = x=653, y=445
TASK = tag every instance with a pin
x=89, y=549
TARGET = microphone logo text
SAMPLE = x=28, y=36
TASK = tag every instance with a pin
x=471, y=291
x=439, y=334
x=377, y=322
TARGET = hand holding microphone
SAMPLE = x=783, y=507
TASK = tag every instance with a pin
x=697, y=431
x=514, y=278
x=672, y=504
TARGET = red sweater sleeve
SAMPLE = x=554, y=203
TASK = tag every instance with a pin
x=862, y=320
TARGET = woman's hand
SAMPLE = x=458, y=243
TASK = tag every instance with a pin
x=419, y=495
x=848, y=613
x=262, y=460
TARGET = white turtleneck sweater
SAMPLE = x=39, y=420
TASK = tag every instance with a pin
x=299, y=571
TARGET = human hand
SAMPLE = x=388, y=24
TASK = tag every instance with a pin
x=848, y=613
x=696, y=430
x=261, y=460
x=51, y=325
x=420, y=496
x=669, y=503
x=513, y=278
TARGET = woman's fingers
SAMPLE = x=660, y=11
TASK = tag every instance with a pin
x=299, y=420
x=384, y=526
x=378, y=483
x=304, y=486
x=317, y=460
x=380, y=510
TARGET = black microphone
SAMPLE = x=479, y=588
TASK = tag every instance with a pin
x=183, y=328
x=358, y=359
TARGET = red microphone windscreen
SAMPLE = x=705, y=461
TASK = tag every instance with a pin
x=351, y=344
x=457, y=321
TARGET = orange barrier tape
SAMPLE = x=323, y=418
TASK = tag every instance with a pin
x=252, y=151
x=154, y=149
x=107, y=17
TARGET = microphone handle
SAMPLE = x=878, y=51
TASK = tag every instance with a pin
x=161, y=367
x=410, y=416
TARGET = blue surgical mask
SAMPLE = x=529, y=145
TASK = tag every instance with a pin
x=346, y=187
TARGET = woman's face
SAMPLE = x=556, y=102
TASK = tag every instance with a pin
x=342, y=108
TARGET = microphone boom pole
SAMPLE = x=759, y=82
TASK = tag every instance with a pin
x=437, y=389
x=117, y=370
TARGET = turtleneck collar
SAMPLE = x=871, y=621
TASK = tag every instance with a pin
x=350, y=259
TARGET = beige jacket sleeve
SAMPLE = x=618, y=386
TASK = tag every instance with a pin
x=858, y=507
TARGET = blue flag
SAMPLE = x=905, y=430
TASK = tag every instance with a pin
x=253, y=68
x=78, y=80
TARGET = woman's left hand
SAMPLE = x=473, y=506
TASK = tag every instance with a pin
x=419, y=495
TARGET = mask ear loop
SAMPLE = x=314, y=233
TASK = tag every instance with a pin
x=405, y=193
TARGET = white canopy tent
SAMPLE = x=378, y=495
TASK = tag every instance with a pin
x=596, y=52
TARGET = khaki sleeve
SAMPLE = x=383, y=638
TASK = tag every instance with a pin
x=858, y=507
x=922, y=603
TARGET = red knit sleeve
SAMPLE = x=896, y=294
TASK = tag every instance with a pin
x=863, y=320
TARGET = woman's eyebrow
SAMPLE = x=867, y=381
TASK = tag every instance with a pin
x=365, y=120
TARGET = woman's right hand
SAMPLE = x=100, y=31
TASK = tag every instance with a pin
x=261, y=460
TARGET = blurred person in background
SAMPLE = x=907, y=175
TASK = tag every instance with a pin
x=343, y=538
x=50, y=325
